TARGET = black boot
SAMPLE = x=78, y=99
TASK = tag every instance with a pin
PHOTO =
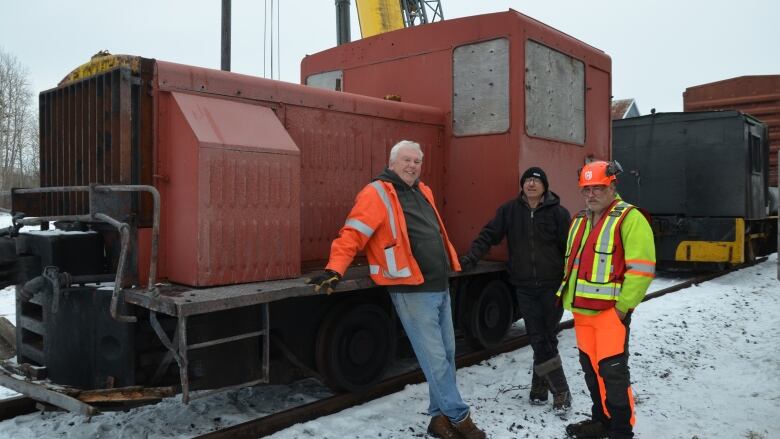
x=539, y=390
x=552, y=371
x=587, y=429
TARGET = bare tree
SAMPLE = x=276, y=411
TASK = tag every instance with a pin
x=18, y=126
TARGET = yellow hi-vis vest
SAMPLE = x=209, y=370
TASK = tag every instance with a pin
x=599, y=260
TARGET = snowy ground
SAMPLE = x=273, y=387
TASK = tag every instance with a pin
x=705, y=364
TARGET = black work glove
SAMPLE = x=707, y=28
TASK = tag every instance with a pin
x=325, y=281
x=467, y=262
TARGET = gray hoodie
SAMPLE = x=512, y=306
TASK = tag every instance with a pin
x=422, y=226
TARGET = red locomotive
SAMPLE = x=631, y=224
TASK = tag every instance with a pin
x=250, y=179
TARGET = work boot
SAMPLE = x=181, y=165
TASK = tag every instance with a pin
x=468, y=430
x=552, y=371
x=539, y=390
x=587, y=429
x=441, y=427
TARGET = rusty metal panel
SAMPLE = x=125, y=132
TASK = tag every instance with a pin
x=335, y=165
x=232, y=201
x=340, y=154
x=758, y=96
x=91, y=131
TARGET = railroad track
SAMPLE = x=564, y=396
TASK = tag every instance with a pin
x=20, y=405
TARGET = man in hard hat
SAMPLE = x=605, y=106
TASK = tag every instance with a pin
x=610, y=264
x=395, y=220
x=535, y=225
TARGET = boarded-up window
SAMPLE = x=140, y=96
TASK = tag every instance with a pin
x=554, y=94
x=480, y=88
x=326, y=80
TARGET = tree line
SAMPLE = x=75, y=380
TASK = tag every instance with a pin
x=19, y=152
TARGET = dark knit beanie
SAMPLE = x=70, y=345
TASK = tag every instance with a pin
x=534, y=172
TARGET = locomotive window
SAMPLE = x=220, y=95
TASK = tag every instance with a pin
x=755, y=153
x=554, y=94
x=327, y=80
x=480, y=88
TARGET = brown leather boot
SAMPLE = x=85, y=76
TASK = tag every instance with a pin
x=441, y=427
x=468, y=430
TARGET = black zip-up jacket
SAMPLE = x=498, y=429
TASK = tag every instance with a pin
x=424, y=236
x=536, y=240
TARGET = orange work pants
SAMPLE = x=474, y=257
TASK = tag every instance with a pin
x=603, y=343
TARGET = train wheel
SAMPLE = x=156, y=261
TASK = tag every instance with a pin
x=355, y=344
x=490, y=315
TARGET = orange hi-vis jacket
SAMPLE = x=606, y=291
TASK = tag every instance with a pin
x=377, y=225
x=610, y=263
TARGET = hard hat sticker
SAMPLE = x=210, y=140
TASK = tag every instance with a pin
x=588, y=175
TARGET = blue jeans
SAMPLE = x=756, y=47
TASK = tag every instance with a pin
x=427, y=320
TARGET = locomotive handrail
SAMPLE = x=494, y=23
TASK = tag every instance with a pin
x=155, y=224
x=124, y=230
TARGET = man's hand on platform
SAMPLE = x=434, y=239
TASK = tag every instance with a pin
x=325, y=281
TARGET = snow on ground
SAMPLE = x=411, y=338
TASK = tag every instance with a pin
x=704, y=364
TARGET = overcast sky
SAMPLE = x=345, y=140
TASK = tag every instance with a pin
x=658, y=47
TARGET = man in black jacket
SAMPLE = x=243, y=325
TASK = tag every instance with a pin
x=535, y=226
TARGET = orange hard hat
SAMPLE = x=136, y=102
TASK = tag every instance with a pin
x=599, y=173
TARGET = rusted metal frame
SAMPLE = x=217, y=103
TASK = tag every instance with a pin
x=267, y=339
x=44, y=128
x=39, y=190
x=56, y=146
x=108, y=129
x=82, y=161
x=108, y=188
x=169, y=344
x=125, y=120
x=145, y=134
x=151, y=288
x=289, y=355
x=36, y=221
x=124, y=230
x=181, y=328
x=90, y=136
x=179, y=350
x=217, y=341
x=114, y=173
x=65, y=171
x=41, y=393
x=101, y=100
x=177, y=347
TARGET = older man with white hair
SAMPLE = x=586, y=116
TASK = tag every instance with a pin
x=395, y=221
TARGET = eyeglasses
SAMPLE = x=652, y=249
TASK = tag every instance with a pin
x=595, y=190
x=532, y=180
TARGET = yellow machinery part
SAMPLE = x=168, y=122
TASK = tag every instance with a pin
x=379, y=16
x=99, y=63
x=715, y=251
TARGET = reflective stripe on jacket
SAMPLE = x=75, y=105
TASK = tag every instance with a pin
x=609, y=264
x=377, y=225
